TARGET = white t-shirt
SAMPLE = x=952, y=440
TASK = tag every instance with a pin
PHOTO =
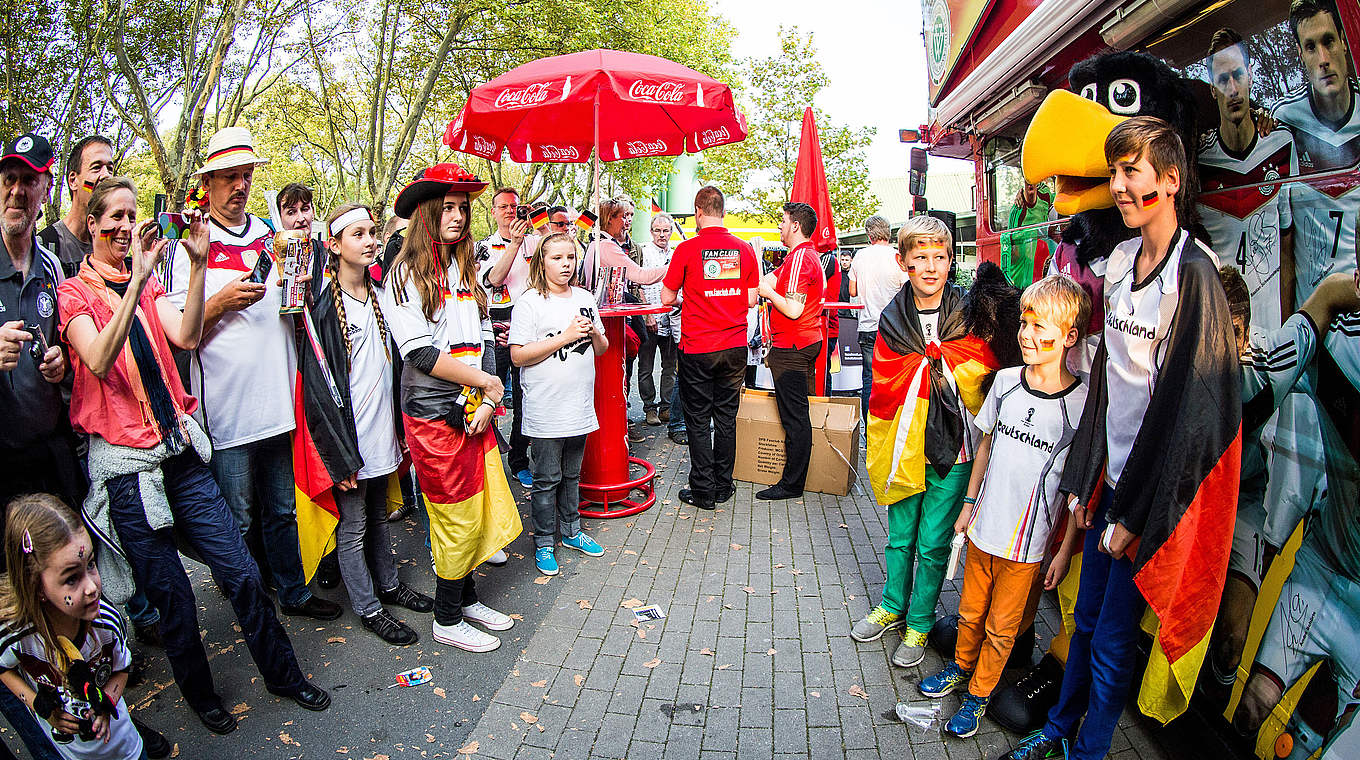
x=245, y=366
x=930, y=324
x=104, y=646
x=878, y=278
x=370, y=388
x=559, y=392
x=489, y=251
x=1137, y=323
x=1032, y=432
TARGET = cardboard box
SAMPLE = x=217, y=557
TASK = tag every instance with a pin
x=835, y=441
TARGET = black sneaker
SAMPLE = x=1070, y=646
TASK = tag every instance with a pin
x=1024, y=705
x=778, y=492
x=315, y=607
x=328, y=571
x=390, y=629
x=680, y=436
x=724, y=494
x=149, y=634
x=694, y=500
x=405, y=596
x=156, y=745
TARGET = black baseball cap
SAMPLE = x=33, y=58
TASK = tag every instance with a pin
x=33, y=149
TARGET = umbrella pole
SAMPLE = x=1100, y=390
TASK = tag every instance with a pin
x=597, y=153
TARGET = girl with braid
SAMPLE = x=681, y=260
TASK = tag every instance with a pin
x=351, y=419
x=449, y=393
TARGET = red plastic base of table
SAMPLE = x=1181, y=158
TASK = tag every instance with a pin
x=606, y=494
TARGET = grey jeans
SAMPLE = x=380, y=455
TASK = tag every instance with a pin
x=362, y=540
x=556, y=466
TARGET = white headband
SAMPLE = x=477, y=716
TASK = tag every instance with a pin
x=360, y=214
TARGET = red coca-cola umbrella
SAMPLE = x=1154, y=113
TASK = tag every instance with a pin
x=630, y=105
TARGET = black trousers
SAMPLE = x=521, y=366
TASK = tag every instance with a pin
x=519, y=443
x=793, y=377
x=710, y=389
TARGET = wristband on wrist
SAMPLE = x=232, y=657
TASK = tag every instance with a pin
x=969, y=500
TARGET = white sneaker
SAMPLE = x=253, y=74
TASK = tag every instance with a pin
x=464, y=636
x=488, y=618
x=498, y=559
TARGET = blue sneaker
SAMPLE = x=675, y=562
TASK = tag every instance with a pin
x=945, y=681
x=584, y=544
x=547, y=563
x=525, y=478
x=1036, y=746
x=965, y=722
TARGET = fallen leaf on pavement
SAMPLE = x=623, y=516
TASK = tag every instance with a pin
x=857, y=691
x=579, y=679
x=652, y=663
x=240, y=708
x=772, y=651
x=516, y=615
x=631, y=603
x=439, y=692
x=817, y=694
x=843, y=525
x=527, y=718
x=542, y=580
x=725, y=667
x=539, y=684
x=706, y=651
x=735, y=546
x=748, y=589
x=585, y=604
x=476, y=698
x=429, y=738
x=336, y=640
x=470, y=748
x=286, y=739
x=630, y=551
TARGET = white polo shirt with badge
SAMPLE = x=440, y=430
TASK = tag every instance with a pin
x=244, y=368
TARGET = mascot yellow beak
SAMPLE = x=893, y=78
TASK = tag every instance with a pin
x=1066, y=140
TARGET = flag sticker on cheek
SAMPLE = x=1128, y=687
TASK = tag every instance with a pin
x=1151, y=199
x=107, y=234
x=1047, y=344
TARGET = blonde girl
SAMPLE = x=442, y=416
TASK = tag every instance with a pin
x=555, y=333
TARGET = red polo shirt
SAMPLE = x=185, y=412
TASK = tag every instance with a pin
x=800, y=274
x=715, y=270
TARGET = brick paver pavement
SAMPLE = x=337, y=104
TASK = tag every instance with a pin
x=754, y=657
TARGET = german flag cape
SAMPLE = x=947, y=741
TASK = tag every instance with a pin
x=1178, y=491
x=914, y=407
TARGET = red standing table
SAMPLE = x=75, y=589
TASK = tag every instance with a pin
x=828, y=307
x=607, y=470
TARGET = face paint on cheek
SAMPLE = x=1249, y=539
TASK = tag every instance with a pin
x=67, y=600
x=88, y=185
x=1151, y=199
x=1047, y=344
x=108, y=233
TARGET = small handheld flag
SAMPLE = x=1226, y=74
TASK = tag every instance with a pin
x=586, y=220
x=656, y=207
x=539, y=218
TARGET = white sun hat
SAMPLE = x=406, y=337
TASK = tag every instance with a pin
x=229, y=148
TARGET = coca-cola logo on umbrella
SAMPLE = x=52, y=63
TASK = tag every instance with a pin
x=657, y=92
x=637, y=148
x=710, y=137
x=524, y=97
x=483, y=146
x=559, y=153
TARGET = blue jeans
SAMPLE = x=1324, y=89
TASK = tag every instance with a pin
x=202, y=518
x=866, y=352
x=30, y=731
x=1103, y=650
x=141, y=611
x=556, y=497
x=258, y=476
x=677, y=421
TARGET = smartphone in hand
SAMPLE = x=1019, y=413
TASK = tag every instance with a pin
x=263, y=266
x=173, y=226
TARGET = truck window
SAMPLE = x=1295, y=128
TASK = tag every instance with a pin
x=1021, y=212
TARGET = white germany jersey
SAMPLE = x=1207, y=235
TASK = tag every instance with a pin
x=1246, y=218
x=1325, y=209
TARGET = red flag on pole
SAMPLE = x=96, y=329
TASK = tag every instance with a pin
x=809, y=184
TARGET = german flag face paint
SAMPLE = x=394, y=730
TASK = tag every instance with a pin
x=1152, y=199
x=88, y=185
x=108, y=233
x=1047, y=344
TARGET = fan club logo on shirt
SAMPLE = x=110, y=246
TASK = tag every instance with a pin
x=1027, y=437
x=656, y=92
x=523, y=98
x=1128, y=326
x=721, y=264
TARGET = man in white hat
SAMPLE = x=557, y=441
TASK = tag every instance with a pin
x=243, y=371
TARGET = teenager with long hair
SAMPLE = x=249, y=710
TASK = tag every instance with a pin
x=449, y=391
